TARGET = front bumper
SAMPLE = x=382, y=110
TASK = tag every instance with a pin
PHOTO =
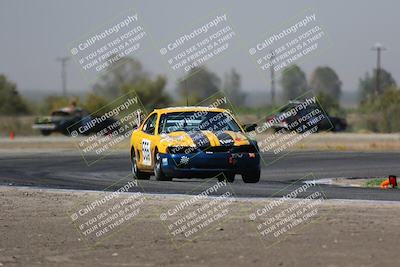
x=44, y=126
x=204, y=164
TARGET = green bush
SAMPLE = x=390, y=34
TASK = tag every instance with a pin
x=11, y=102
x=382, y=113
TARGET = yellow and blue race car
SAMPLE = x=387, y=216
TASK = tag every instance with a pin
x=194, y=142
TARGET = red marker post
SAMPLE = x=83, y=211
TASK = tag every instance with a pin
x=393, y=181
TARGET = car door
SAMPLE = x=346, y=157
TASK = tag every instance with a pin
x=148, y=142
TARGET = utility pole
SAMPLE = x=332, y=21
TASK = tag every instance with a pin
x=378, y=48
x=272, y=80
x=187, y=92
x=63, y=61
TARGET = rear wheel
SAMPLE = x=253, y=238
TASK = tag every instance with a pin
x=158, y=173
x=229, y=177
x=339, y=127
x=137, y=174
x=251, y=177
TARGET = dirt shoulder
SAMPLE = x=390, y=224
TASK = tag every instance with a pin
x=36, y=230
x=316, y=142
x=356, y=182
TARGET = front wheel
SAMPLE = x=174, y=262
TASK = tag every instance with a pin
x=137, y=174
x=251, y=177
x=158, y=173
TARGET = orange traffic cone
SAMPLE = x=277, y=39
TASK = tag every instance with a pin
x=385, y=184
x=391, y=182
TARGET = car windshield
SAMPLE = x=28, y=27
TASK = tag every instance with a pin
x=195, y=121
x=59, y=113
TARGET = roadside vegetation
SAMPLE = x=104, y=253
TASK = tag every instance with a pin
x=377, y=111
x=375, y=182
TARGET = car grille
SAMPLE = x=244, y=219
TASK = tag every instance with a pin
x=244, y=149
x=182, y=150
x=217, y=149
x=213, y=149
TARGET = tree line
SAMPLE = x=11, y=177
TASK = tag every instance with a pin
x=199, y=83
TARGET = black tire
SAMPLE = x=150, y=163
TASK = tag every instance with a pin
x=251, y=177
x=339, y=127
x=45, y=132
x=158, y=173
x=229, y=177
x=66, y=133
x=136, y=173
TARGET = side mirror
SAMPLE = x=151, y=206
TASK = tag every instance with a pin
x=249, y=127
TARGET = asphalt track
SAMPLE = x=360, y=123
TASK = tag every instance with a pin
x=67, y=170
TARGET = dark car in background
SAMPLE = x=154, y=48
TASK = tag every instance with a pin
x=67, y=120
x=313, y=112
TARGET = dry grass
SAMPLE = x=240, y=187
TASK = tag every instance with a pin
x=20, y=125
x=315, y=142
x=347, y=142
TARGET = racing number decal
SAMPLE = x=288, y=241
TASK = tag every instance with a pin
x=146, y=152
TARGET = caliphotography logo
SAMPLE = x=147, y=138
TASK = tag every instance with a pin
x=199, y=133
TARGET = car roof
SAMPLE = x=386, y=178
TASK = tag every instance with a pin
x=189, y=109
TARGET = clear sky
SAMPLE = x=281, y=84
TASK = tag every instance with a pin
x=35, y=32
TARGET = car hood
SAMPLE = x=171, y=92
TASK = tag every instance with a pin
x=204, y=139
